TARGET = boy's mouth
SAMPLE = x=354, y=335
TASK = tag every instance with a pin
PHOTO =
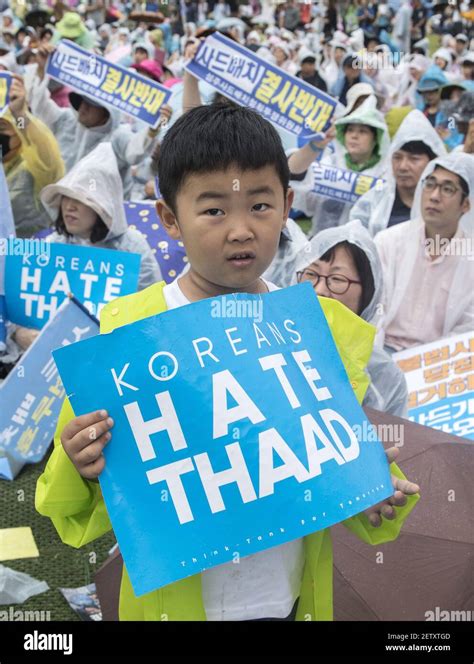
x=242, y=258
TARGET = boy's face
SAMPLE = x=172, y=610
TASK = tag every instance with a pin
x=230, y=223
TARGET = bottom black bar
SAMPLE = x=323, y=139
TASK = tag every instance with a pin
x=381, y=641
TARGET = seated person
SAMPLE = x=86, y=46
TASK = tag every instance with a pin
x=414, y=145
x=342, y=263
x=428, y=273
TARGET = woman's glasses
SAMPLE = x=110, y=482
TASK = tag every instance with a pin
x=336, y=283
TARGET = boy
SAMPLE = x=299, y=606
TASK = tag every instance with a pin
x=224, y=180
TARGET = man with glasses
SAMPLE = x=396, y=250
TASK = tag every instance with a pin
x=428, y=262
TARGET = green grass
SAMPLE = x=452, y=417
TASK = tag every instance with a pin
x=61, y=566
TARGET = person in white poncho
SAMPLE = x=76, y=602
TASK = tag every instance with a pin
x=428, y=262
x=347, y=259
x=413, y=146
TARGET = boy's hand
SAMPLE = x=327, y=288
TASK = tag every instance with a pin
x=84, y=439
x=17, y=96
x=403, y=488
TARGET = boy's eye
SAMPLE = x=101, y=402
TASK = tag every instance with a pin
x=213, y=212
x=261, y=207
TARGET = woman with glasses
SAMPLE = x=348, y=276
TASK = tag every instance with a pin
x=428, y=262
x=342, y=263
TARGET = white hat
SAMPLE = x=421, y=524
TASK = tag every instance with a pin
x=461, y=37
x=356, y=91
x=444, y=54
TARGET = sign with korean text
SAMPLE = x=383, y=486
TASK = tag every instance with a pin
x=36, y=285
x=440, y=378
x=109, y=84
x=341, y=184
x=5, y=84
x=248, y=80
x=169, y=253
x=234, y=431
x=32, y=394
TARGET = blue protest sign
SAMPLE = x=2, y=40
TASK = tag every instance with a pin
x=234, y=431
x=169, y=253
x=3, y=323
x=440, y=381
x=341, y=184
x=35, y=285
x=32, y=394
x=247, y=79
x=5, y=84
x=109, y=84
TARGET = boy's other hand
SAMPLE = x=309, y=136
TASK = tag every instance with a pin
x=84, y=439
x=403, y=488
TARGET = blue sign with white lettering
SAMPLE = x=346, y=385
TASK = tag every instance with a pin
x=32, y=394
x=341, y=184
x=5, y=84
x=234, y=431
x=107, y=83
x=35, y=285
x=251, y=81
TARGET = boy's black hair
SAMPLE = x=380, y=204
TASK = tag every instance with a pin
x=372, y=129
x=418, y=147
x=99, y=230
x=462, y=182
x=212, y=138
x=363, y=268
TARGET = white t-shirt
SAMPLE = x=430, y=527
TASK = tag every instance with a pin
x=263, y=585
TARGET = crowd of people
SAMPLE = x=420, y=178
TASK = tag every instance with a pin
x=402, y=73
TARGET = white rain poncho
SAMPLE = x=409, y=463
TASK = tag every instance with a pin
x=374, y=208
x=399, y=248
x=387, y=391
x=282, y=268
x=106, y=199
x=326, y=212
x=76, y=141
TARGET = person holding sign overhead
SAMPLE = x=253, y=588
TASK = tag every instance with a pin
x=231, y=234
x=361, y=145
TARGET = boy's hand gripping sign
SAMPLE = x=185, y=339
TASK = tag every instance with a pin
x=234, y=431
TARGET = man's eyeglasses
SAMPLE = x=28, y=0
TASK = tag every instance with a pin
x=447, y=189
x=336, y=283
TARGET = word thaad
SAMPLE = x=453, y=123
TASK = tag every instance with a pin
x=321, y=433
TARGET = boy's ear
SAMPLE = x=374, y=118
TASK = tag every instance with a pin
x=290, y=194
x=168, y=219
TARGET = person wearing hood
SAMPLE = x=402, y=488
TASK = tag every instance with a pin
x=342, y=263
x=95, y=216
x=411, y=73
x=331, y=67
x=72, y=27
x=351, y=75
x=31, y=159
x=429, y=87
x=464, y=118
x=80, y=128
x=361, y=145
x=427, y=261
x=414, y=145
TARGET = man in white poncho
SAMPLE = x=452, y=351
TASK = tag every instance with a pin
x=428, y=262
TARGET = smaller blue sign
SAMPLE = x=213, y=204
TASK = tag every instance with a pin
x=32, y=394
x=341, y=184
x=5, y=84
x=108, y=84
x=36, y=285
